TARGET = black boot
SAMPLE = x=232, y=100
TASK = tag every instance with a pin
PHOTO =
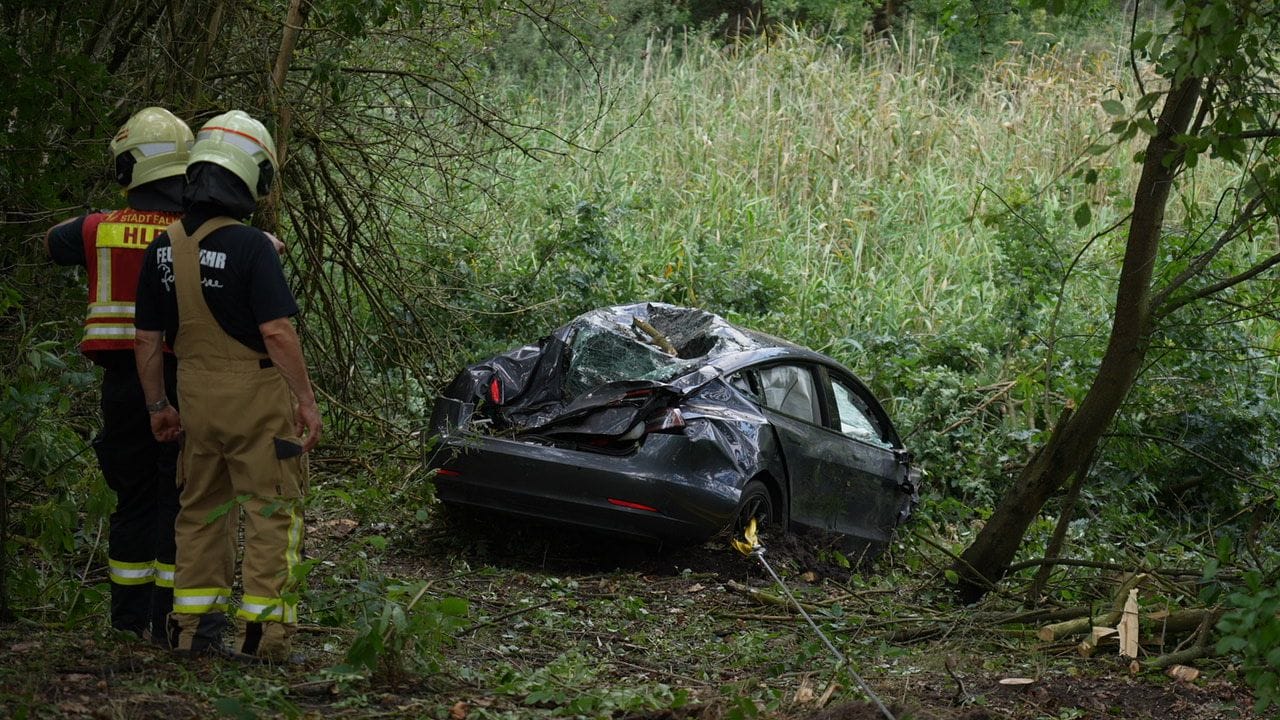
x=130, y=605
x=252, y=637
x=161, y=606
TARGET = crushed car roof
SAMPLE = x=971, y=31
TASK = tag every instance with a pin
x=589, y=361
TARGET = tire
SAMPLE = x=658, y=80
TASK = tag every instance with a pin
x=756, y=502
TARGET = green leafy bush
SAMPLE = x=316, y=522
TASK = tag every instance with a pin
x=1251, y=630
x=404, y=632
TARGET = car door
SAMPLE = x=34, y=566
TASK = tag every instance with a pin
x=791, y=397
x=867, y=468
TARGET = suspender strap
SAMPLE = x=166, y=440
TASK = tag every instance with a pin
x=200, y=338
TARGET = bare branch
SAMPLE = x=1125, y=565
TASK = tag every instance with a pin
x=1244, y=220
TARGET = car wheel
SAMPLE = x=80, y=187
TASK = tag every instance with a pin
x=756, y=502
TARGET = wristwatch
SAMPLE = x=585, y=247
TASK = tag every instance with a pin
x=158, y=405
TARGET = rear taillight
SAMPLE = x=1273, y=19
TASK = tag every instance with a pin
x=669, y=420
x=631, y=505
x=495, y=391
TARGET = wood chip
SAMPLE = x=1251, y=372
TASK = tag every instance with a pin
x=826, y=694
x=804, y=694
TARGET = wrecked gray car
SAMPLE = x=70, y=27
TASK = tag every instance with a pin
x=669, y=424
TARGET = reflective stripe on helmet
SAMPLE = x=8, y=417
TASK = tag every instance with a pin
x=244, y=141
x=156, y=148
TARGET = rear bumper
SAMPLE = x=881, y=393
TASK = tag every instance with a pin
x=689, y=495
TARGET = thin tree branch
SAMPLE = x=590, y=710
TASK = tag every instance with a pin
x=1242, y=222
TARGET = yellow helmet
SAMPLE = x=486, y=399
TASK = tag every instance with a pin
x=240, y=144
x=152, y=145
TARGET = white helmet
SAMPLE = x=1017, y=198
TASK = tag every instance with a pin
x=240, y=144
x=152, y=145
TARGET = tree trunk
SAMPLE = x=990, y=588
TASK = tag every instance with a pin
x=296, y=17
x=1076, y=435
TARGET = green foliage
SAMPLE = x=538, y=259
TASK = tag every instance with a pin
x=568, y=687
x=1031, y=265
x=580, y=259
x=1251, y=630
x=404, y=632
x=975, y=29
x=56, y=503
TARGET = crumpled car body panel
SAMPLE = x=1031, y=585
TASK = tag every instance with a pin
x=580, y=428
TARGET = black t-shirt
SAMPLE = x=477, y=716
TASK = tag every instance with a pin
x=241, y=277
x=66, y=243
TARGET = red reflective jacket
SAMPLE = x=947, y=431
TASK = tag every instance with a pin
x=114, y=245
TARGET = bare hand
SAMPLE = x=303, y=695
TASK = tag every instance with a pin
x=276, y=243
x=166, y=425
x=307, y=418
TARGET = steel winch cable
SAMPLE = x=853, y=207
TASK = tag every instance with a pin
x=753, y=548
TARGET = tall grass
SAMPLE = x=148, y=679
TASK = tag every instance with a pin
x=839, y=198
x=850, y=181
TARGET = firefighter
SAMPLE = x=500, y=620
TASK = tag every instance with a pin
x=215, y=290
x=150, y=155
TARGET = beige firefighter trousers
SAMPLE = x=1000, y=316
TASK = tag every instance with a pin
x=238, y=418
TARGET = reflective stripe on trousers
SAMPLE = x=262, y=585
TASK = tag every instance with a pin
x=131, y=573
x=197, y=601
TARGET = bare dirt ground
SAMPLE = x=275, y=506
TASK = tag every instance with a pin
x=566, y=625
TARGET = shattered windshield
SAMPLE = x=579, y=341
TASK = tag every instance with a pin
x=645, y=342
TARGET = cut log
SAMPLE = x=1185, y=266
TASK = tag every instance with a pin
x=1067, y=628
x=1164, y=622
x=1076, y=626
x=1128, y=626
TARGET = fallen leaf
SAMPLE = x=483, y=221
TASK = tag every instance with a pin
x=24, y=646
x=809, y=576
x=696, y=587
x=459, y=710
x=78, y=677
x=338, y=526
x=1135, y=667
x=1016, y=681
x=1182, y=673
